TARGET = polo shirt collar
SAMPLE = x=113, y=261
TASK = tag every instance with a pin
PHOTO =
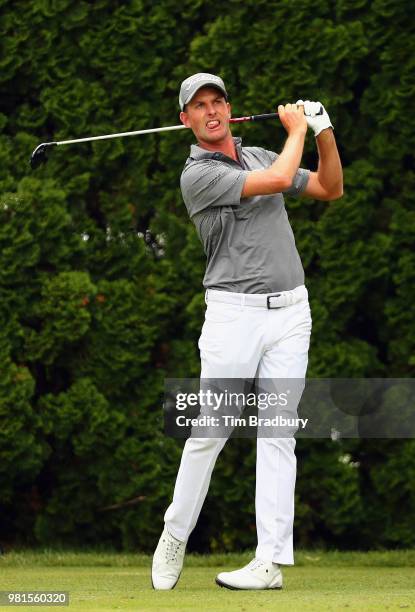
x=197, y=152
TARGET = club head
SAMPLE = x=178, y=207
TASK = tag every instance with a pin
x=39, y=156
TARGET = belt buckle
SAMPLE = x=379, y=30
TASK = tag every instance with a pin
x=268, y=301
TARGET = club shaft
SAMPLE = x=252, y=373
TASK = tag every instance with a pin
x=39, y=155
x=161, y=129
x=263, y=117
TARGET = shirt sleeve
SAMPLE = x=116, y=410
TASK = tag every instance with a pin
x=300, y=179
x=207, y=183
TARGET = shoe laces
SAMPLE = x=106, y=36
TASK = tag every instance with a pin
x=172, y=548
x=255, y=564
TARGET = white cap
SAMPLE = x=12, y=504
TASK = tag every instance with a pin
x=193, y=83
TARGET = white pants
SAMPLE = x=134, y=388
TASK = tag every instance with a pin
x=242, y=341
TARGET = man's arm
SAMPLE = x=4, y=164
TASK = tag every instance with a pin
x=279, y=176
x=327, y=182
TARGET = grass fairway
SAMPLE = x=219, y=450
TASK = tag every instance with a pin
x=318, y=582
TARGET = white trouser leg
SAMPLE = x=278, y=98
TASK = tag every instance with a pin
x=192, y=483
x=226, y=351
x=274, y=499
x=276, y=461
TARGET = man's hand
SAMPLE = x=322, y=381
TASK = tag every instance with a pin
x=292, y=118
x=318, y=123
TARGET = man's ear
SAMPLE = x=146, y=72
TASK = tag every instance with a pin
x=184, y=119
x=229, y=110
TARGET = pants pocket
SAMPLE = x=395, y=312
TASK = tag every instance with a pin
x=217, y=312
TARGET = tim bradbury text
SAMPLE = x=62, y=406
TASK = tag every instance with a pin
x=227, y=420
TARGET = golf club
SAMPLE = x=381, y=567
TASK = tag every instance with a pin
x=39, y=156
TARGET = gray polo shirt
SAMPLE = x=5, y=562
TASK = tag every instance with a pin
x=249, y=243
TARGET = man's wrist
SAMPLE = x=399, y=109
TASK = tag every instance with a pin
x=326, y=133
x=298, y=133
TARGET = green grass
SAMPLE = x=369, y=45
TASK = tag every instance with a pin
x=319, y=581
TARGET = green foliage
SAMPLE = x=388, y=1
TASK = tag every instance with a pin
x=21, y=453
x=100, y=275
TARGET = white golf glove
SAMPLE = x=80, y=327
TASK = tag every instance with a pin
x=315, y=121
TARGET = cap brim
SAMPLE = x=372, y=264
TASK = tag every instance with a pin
x=215, y=85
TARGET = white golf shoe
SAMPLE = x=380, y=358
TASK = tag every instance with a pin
x=256, y=575
x=167, y=562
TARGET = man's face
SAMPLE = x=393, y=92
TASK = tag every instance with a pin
x=207, y=114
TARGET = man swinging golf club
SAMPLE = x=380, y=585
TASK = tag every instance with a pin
x=258, y=320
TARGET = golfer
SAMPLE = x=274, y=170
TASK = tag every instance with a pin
x=258, y=321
